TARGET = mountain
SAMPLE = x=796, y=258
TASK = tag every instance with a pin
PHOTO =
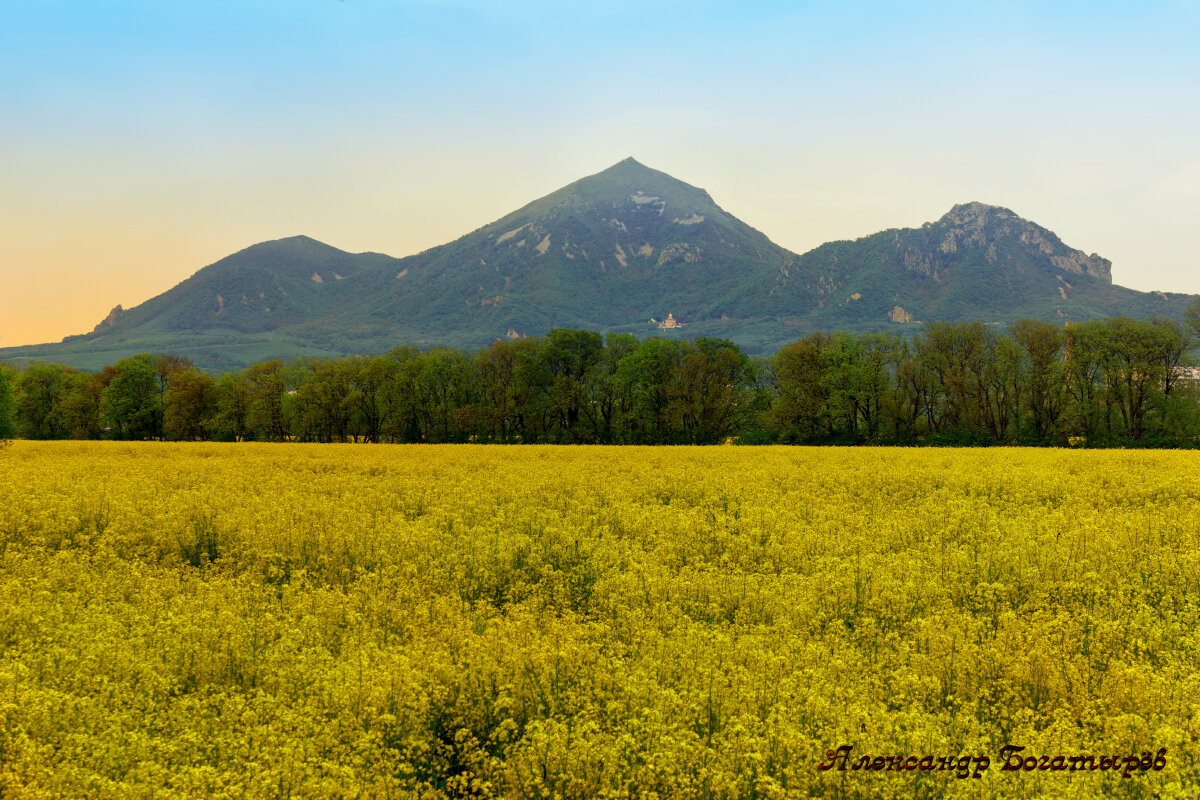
x=264, y=287
x=622, y=250
x=610, y=252
x=272, y=300
x=978, y=262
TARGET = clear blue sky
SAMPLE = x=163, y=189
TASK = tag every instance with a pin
x=143, y=140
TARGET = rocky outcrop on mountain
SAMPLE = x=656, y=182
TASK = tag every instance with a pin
x=110, y=320
x=984, y=227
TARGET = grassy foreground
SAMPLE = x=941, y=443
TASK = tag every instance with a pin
x=533, y=622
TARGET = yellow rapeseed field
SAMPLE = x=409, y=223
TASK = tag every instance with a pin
x=203, y=620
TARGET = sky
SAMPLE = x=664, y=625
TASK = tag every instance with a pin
x=141, y=140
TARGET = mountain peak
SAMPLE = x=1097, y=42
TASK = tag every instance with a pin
x=978, y=225
x=294, y=244
x=624, y=194
x=976, y=213
x=629, y=169
x=295, y=255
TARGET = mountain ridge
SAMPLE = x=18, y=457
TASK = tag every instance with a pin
x=613, y=251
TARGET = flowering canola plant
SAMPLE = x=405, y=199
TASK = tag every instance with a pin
x=255, y=620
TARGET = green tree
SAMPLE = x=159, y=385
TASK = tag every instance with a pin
x=339, y=399
x=801, y=410
x=856, y=382
x=400, y=420
x=1180, y=411
x=318, y=405
x=38, y=392
x=167, y=365
x=505, y=396
x=190, y=405
x=1140, y=361
x=41, y=392
x=80, y=405
x=1087, y=412
x=976, y=380
x=1174, y=341
x=1041, y=345
x=713, y=390
x=266, y=389
x=1192, y=315
x=131, y=404
x=442, y=394
x=954, y=354
x=1003, y=388
x=611, y=403
x=232, y=407
x=915, y=397
x=8, y=406
x=567, y=363
x=646, y=381
x=369, y=379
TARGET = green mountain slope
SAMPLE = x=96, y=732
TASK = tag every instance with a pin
x=977, y=262
x=610, y=251
x=272, y=285
x=620, y=250
x=271, y=300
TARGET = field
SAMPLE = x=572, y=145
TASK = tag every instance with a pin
x=534, y=622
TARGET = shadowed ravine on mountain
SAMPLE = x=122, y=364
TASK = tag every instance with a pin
x=616, y=251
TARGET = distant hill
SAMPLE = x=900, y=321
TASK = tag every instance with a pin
x=265, y=287
x=617, y=251
x=978, y=262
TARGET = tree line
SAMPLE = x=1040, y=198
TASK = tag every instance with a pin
x=1112, y=382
